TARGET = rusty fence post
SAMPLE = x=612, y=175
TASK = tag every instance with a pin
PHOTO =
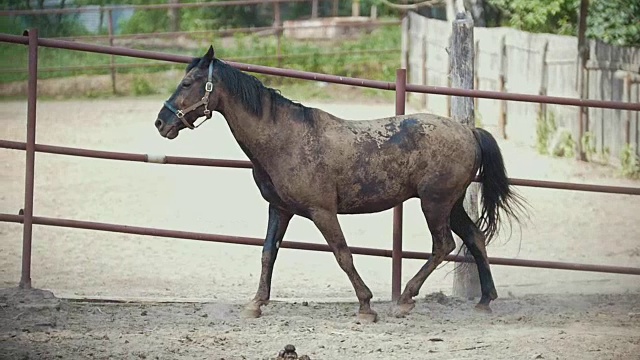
x=25, y=279
x=544, y=82
x=626, y=96
x=502, y=83
x=583, y=80
x=112, y=60
x=396, y=252
x=277, y=24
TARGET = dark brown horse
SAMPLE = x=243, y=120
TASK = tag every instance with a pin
x=310, y=163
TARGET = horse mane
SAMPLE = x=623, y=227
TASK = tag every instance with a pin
x=250, y=91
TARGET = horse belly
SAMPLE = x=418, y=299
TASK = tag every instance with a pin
x=372, y=195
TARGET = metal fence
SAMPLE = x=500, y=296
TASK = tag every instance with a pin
x=102, y=25
x=27, y=218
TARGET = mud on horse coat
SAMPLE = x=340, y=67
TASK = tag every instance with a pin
x=310, y=163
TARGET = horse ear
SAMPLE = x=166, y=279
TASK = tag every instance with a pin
x=210, y=53
x=207, y=58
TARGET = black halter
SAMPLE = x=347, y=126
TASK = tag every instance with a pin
x=208, y=88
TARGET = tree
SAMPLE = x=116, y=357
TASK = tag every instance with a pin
x=614, y=22
x=48, y=25
x=545, y=16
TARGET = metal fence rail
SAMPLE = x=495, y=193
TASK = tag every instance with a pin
x=305, y=75
x=244, y=164
x=240, y=58
x=241, y=240
x=27, y=219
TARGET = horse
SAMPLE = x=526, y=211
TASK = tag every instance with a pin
x=310, y=163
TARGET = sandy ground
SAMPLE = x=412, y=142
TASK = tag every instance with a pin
x=184, y=296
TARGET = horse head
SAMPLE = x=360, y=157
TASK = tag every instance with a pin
x=193, y=101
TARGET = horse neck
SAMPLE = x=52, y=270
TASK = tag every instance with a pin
x=260, y=135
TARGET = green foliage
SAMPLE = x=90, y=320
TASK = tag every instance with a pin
x=630, y=163
x=11, y=25
x=588, y=142
x=48, y=25
x=551, y=140
x=146, y=22
x=605, y=155
x=545, y=16
x=565, y=146
x=246, y=48
x=190, y=19
x=615, y=22
x=142, y=86
x=225, y=17
x=316, y=56
x=478, y=118
x=15, y=57
x=545, y=129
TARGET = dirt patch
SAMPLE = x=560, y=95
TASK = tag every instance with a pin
x=532, y=327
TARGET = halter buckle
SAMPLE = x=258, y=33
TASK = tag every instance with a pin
x=208, y=87
x=179, y=114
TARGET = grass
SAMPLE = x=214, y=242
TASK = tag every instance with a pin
x=379, y=66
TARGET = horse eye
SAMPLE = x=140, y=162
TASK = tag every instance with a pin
x=186, y=84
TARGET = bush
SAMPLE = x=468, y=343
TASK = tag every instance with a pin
x=545, y=130
x=142, y=86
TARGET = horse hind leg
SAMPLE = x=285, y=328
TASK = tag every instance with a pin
x=474, y=240
x=437, y=215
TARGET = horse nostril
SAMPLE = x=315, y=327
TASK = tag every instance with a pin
x=159, y=124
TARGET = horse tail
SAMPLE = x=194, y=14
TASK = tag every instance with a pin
x=498, y=198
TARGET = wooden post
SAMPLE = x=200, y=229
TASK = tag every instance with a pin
x=113, y=58
x=544, y=82
x=626, y=95
x=425, y=74
x=476, y=76
x=314, y=9
x=449, y=84
x=406, y=45
x=583, y=83
x=277, y=24
x=334, y=8
x=449, y=113
x=502, y=81
x=355, y=8
x=466, y=282
x=396, y=250
x=174, y=16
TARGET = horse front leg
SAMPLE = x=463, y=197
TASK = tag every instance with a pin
x=276, y=227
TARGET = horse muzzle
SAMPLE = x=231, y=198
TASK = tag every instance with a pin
x=166, y=131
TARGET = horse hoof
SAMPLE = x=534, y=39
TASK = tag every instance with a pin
x=251, y=312
x=402, y=310
x=493, y=294
x=484, y=308
x=368, y=317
